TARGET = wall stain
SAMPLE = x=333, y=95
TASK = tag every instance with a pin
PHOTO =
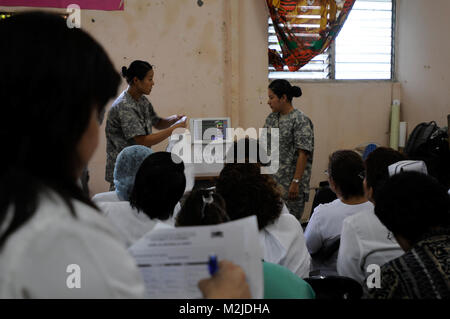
x=132, y=33
x=172, y=12
x=207, y=48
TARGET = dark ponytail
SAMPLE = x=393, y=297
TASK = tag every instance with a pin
x=138, y=69
x=202, y=207
x=282, y=87
x=124, y=71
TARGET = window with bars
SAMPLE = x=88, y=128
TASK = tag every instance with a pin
x=363, y=49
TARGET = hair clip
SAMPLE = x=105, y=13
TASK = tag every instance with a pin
x=206, y=200
x=362, y=175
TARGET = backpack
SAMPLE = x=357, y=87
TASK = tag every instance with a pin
x=429, y=143
x=425, y=139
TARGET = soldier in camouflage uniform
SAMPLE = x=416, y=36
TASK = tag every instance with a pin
x=296, y=145
x=131, y=117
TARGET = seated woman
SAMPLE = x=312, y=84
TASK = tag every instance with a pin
x=159, y=185
x=248, y=192
x=324, y=228
x=365, y=240
x=202, y=207
x=127, y=164
x=47, y=222
x=206, y=207
x=416, y=209
x=118, y=210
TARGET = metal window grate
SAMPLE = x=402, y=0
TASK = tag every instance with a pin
x=318, y=68
x=363, y=49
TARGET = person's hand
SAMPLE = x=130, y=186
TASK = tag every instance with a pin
x=293, y=191
x=182, y=122
x=175, y=118
x=228, y=283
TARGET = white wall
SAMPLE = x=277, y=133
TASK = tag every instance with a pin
x=423, y=60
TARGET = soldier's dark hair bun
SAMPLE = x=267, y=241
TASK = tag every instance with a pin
x=124, y=71
x=296, y=91
x=137, y=69
x=282, y=87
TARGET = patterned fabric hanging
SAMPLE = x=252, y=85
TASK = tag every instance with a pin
x=305, y=28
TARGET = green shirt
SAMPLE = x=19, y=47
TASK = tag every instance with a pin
x=281, y=283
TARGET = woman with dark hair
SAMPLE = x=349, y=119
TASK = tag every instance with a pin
x=149, y=197
x=247, y=192
x=202, y=207
x=296, y=145
x=48, y=226
x=416, y=209
x=54, y=243
x=324, y=228
x=364, y=239
x=206, y=207
x=131, y=117
x=159, y=185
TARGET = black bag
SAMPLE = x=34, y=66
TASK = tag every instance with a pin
x=420, y=137
x=429, y=143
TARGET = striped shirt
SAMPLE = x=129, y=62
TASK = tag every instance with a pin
x=421, y=273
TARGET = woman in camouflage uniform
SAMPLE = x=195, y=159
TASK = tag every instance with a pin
x=131, y=117
x=296, y=145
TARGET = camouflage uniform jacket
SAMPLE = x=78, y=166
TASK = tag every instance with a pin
x=127, y=119
x=296, y=132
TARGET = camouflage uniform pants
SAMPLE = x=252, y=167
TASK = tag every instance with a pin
x=296, y=207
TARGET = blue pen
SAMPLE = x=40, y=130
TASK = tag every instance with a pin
x=212, y=265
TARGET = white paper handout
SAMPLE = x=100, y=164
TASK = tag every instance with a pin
x=172, y=261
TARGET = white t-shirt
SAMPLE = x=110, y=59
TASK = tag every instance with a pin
x=283, y=243
x=36, y=260
x=365, y=241
x=130, y=223
x=106, y=197
x=325, y=226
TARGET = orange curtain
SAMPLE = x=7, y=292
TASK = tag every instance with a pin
x=305, y=28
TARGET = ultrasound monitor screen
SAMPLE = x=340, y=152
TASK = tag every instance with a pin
x=215, y=129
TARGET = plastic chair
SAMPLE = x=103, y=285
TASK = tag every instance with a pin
x=335, y=287
x=323, y=195
x=369, y=149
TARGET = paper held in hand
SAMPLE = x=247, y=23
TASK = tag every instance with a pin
x=173, y=260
